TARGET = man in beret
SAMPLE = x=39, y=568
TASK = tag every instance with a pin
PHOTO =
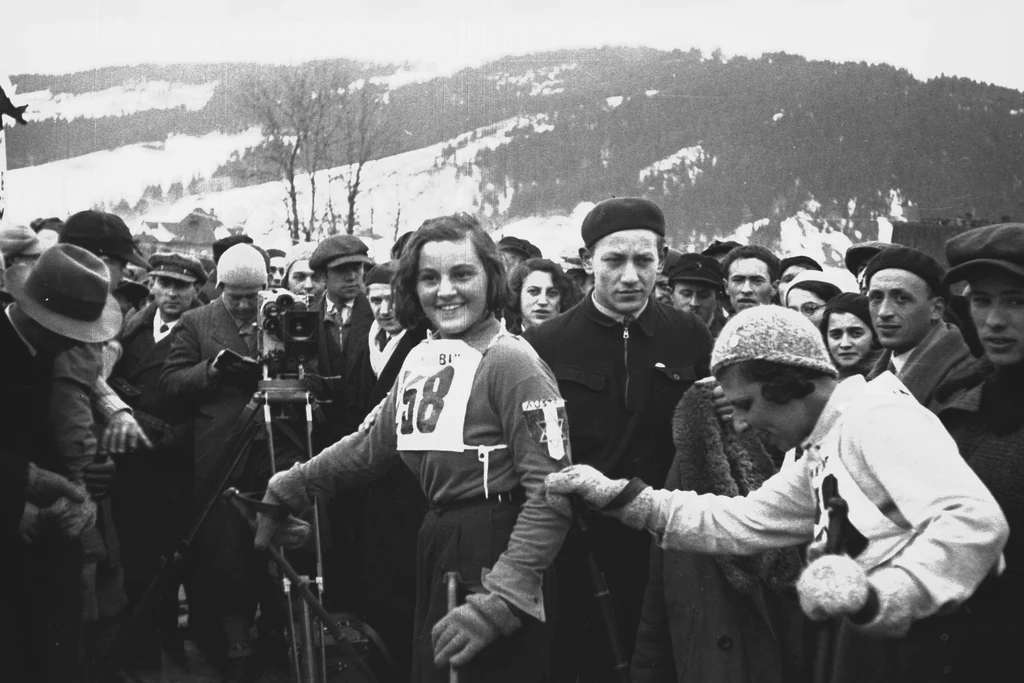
x=515, y=250
x=696, y=284
x=986, y=422
x=622, y=360
x=907, y=298
x=751, y=277
x=150, y=499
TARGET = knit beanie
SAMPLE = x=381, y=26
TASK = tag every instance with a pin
x=381, y=274
x=17, y=239
x=243, y=266
x=771, y=333
x=910, y=260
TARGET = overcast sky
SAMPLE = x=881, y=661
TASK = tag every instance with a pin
x=978, y=39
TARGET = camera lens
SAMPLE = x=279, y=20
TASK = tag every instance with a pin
x=285, y=300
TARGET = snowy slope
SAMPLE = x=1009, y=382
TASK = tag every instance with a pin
x=119, y=101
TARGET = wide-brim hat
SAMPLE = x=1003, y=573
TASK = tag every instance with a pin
x=67, y=292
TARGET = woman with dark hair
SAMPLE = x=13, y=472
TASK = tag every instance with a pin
x=849, y=334
x=477, y=417
x=808, y=293
x=540, y=291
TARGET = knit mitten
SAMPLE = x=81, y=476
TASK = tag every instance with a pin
x=43, y=487
x=832, y=586
x=462, y=633
x=598, y=491
x=288, y=490
x=68, y=518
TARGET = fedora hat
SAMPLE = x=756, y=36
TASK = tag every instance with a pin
x=67, y=293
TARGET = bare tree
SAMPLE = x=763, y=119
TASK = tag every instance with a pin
x=298, y=114
x=363, y=135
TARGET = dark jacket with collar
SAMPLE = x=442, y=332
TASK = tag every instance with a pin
x=621, y=386
x=346, y=394
x=666, y=351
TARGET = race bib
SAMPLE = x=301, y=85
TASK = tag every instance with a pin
x=433, y=392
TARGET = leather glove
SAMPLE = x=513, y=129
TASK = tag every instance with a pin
x=98, y=477
x=29, y=524
x=44, y=487
x=462, y=633
x=70, y=519
x=286, y=489
x=598, y=491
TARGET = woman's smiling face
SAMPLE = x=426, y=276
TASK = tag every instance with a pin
x=452, y=286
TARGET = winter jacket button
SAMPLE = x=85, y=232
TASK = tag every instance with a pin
x=725, y=643
x=675, y=376
x=944, y=637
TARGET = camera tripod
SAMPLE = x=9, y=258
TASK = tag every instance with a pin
x=308, y=660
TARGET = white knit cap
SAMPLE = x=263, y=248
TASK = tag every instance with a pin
x=243, y=266
x=299, y=252
x=771, y=333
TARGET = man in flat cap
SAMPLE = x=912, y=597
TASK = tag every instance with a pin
x=150, y=498
x=343, y=343
x=907, y=297
x=696, y=284
x=623, y=360
x=987, y=424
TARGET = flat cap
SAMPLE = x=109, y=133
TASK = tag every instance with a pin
x=720, y=247
x=911, y=260
x=382, y=273
x=524, y=248
x=104, y=234
x=621, y=213
x=697, y=268
x=859, y=254
x=178, y=267
x=338, y=250
x=992, y=246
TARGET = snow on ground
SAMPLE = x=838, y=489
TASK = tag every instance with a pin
x=613, y=102
x=118, y=101
x=541, y=82
x=61, y=188
x=685, y=162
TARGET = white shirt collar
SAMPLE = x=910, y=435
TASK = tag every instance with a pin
x=158, y=321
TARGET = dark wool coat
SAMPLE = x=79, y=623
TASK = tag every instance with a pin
x=709, y=619
x=987, y=422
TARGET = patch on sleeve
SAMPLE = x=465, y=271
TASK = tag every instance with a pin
x=548, y=426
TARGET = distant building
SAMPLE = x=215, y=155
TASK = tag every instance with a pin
x=186, y=230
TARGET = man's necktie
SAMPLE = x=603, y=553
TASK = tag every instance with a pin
x=382, y=339
x=164, y=329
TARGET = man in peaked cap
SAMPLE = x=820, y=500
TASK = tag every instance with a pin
x=62, y=301
x=152, y=493
x=696, y=284
x=921, y=534
x=622, y=360
x=907, y=296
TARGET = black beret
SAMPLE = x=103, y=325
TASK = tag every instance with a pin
x=621, y=213
x=133, y=292
x=720, y=247
x=339, y=250
x=222, y=245
x=992, y=246
x=276, y=253
x=848, y=302
x=911, y=260
x=697, y=268
x=178, y=267
x=805, y=261
x=525, y=248
x=382, y=273
x=862, y=252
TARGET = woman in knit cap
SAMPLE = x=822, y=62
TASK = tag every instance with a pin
x=299, y=277
x=920, y=533
x=477, y=417
x=849, y=335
